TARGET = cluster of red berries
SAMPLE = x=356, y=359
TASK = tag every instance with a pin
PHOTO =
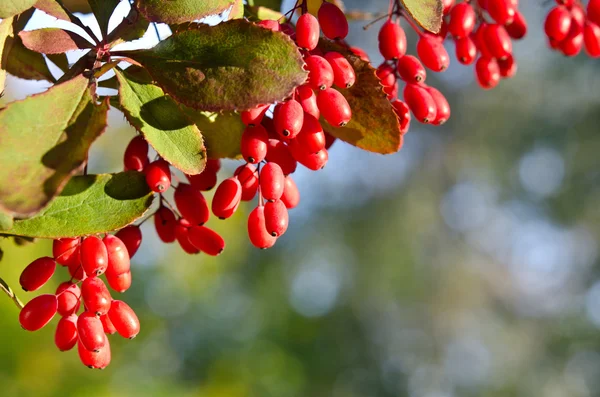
x=569, y=27
x=86, y=259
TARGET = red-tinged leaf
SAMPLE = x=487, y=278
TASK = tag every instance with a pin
x=374, y=126
x=233, y=65
x=179, y=11
x=133, y=26
x=44, y=140
x=24, y=63
x=427, y=13
x=8, y=8
x=53, y=41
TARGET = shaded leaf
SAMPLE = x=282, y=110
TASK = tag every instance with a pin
x=24, y=63
x=374, y=126
x=109, y=83
x=269, y=4
x=5, y=30
x=161, y=121
x=21, y=20
x=90, y=204
x=53, y=41
x=102, y=10
x=233, y=65
x=427, y=13
x=133, y=26
x=44, y=140
x=59, y=60
x=51, y=7
x=222, y=132
x=179, y=11
x=262, y=13
x=8, y=8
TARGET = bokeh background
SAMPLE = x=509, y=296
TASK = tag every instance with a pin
x=465, y=265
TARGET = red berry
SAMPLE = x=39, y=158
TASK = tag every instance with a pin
x=573, y=44
x=227, y=198
x=68, y=295
x=487, y=72
x=95, y=295
x=578, y=16
x=343, y=73
x=441, y=105
x=432, y=53
x=591, y=38
x=65, y=337
x=334, y=107
x=392, y=40
x=276, y=218
x=66, y=250
x=91, y=332
x=119, y=282
x=124, y=319
x=131, y=236
x=462, y=20
x=312, y=137
x=158, y=175
x=411, y=69
x=308, y=100
x=164, y=223
x=136, y=154
x=288, y=119
x=271, y=181
x=312, y=161
x=191, y=204
x=403, y=112
x=502, y=11
x=107, y=325
x=279, y=153
x=518, y=28
x=203, y=181
x=466, y=50
x=497, y=41
x=359, y=52
x=94, y=256
x=37, y=273
x=254, y=144
x=118, y=255
x=320, y=72
x=307, y=32
x=76, y=271
x=255, y=115
x=248, y=178
x=508, y=67
x=558, y=23
x=291, y=195
x=99, y=359
x=447, y=6
x=479, y=40
x=206, y=240
x=257, y=231
x=420, y=102
x=387, y=75
x=269, y=24
x=593, y=11
x=182, y=234
x=38, y=312
x=333, y=21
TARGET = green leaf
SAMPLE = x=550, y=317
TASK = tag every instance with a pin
x=44, y=140
x=90, y=204
x=427, y=13
x=53, y=41
x=5, y=30
x=102, y=10
x=233, y=65
x=237, y=11
x=374, y=126
x=272, y=4
x=132, y=27
x=8, y=8
x=24, y=63
x=179, y=11
x=6, y=221
x=261, y=13
x=161, y=121
x=222, y=132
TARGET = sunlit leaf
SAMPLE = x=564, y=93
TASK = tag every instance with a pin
x=53, y=41
x=8, y=8
x=222, y=132
x=427, y=13
x=179, y=11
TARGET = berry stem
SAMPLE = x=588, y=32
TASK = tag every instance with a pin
x=11, y=294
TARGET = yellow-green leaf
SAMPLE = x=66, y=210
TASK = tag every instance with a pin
x=8, y=8
x=427, y=13
x=179, y=11
x=222, y=132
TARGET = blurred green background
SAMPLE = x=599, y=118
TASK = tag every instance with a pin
x=465, y=265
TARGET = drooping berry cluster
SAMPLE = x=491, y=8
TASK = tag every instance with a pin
x=570, y=28
x=86, y=259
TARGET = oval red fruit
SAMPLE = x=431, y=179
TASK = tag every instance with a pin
x=392, y=40
x=99, y=359
x=37, y=273
x=288, y=119
x=191, y=204
x=68, y=295
x=66, y=250
x=432, y=53
x=38, y=312
x=254, y=144
x=307, y=32
x=420, y=102
x=182, y=234
x=118, y=255
x=441, y=105
x=131, y=236
x=95, y=295
x=65, y=337
x=227, y=198
x=94, y=256
x=91, y=331
x=158, y=175
x=291, y=195
x=334, y=107
x=279, y=153
x=411, y=69
x=487, y=72
x=257, y=231
x=164, y=223
x=206, y=240
x=136, y=154
x=271, y=181
x=124, y=319
x=333, y=22
x=320, y=72
x=276, y=218
x=248, y=178
x=119, y=282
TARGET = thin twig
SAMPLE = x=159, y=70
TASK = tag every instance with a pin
x=11, y=294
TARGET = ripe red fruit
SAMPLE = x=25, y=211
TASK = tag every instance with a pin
x=288, y=119
x=420, y=102
x=311, y=138
x=276, y=218
x=91, y=332
x=508, y=67
x=334, y=107
x=497, y=40
x=573, y=44
x=227, y=198
x=271, y=181
x=312, y=161
x=320, y=72
x=343, y=73
x=333, y=22
x=191, y=204
x=124, y=319
x=206, y=240
x=479, y=40
x=94, y=256
x=387, y=74
x=90, y=359
x=108, y=326
x=593, y=11
x=359, y=52
x=248, y=178
x=308, y=100
x=411, y=69
x=136, y=154
x=182, y=234
x=518, y=28
x=462, y=20
x=591, y=38
x=441, y=104
x=66, y=250
x=487, y=72
x=131, y=236
x=447, y=6
x=279, y=153
x=65, y=337
x=269, y=24
x=76, y=271
x=307, y=32
x=96, y=297
x=37, y=273
x=158, y=175
x=119, y=282
x=432, y=53
x=254, y=144
x=578, y=16
x=502, y=11
x=392, y=40
x=118, y=255
x=164, y=223
x=291, y=195
x=38, y=312
x=257, y=231
x=558, y=23
x=466, y=50
x=68, y=295
x=403, y=112
x=203, y=181
x=255, y=115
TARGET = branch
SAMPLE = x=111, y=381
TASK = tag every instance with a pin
x=11, y=294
